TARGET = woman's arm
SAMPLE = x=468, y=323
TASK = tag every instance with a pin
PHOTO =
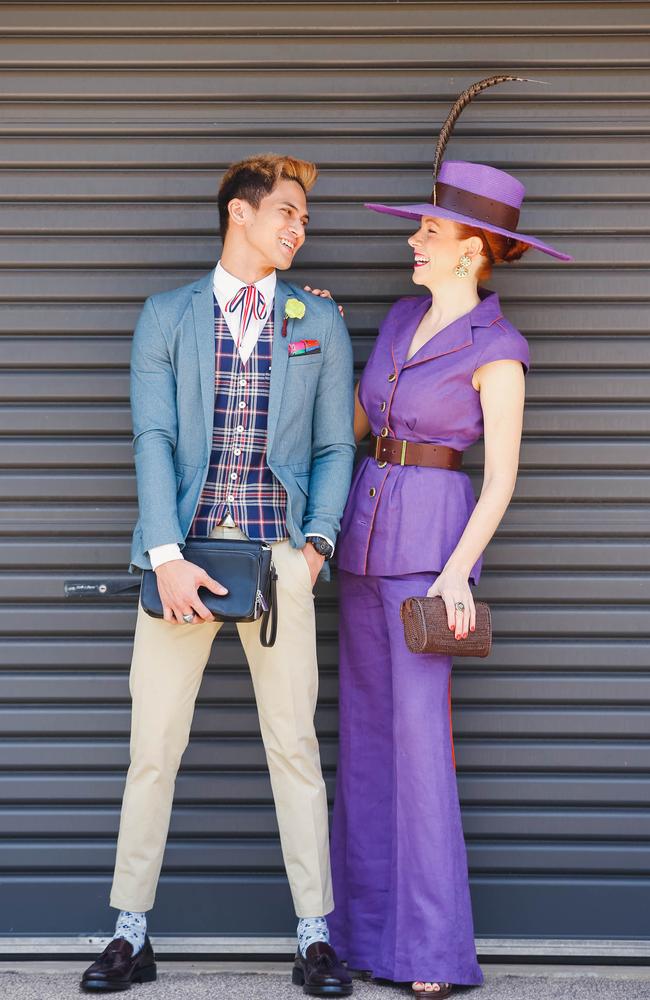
x=361, y=422
x=501, y=385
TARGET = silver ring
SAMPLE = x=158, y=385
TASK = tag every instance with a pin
x=459, y=606
x=188, y=619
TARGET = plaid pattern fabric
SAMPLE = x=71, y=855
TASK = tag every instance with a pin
x=239, y=480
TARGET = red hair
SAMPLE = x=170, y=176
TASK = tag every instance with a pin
x=497, y=249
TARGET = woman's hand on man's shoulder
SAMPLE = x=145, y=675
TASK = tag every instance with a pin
x=324, y=294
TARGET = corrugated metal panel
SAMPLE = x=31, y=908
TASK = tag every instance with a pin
x=117, y=121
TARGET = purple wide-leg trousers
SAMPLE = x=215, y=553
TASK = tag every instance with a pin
x=399, y=863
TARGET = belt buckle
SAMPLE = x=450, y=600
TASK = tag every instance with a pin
x=402, y=458
x=380, y=465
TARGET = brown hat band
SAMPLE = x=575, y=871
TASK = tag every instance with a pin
x=476, y=206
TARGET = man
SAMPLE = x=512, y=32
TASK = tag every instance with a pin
x=236, y=434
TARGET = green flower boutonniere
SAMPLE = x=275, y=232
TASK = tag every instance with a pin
x=293, y=309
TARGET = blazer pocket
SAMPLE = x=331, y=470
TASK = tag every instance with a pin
x=297, y=360
x=303, y=483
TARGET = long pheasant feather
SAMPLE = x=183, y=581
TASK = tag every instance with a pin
x=461, y=103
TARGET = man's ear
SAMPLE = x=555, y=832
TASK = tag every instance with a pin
x=238, y=211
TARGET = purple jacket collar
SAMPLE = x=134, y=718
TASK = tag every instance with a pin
x=452, y=338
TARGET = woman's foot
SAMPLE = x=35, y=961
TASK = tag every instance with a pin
x=439, y=990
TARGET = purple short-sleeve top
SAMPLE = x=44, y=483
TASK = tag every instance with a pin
x=409, y=519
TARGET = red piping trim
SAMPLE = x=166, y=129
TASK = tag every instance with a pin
x=451, y=732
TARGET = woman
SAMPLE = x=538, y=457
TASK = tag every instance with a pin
x=446, y=367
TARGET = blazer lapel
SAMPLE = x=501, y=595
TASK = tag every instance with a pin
x=279, y=358
x=203, y=313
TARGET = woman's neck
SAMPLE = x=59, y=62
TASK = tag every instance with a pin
x=449, y=301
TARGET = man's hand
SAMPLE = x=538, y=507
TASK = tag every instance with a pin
x=314, y=560
x=178, y=584
x=324, y=294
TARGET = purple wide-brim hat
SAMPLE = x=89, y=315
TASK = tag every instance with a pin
x=476, y=195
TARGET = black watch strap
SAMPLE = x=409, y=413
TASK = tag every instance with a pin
x=321, y=545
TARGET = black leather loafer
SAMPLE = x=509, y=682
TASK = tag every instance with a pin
x=320, y=973
x=117, y=967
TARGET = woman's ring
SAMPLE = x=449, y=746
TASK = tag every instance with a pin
x=188, y=619
x=459, y=606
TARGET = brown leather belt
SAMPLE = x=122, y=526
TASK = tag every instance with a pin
x=434, y=456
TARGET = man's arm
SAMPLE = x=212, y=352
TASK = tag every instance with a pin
x=333, y=445
x=155, y=427
x=155, y=430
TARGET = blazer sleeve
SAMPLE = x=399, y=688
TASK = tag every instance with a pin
x=155, y=428
x=333, y=446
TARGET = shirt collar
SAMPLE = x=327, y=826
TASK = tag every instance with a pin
x=225, y=285
x=453, y=337
x=488, y=310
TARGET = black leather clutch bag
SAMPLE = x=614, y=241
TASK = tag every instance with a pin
x=245, y=568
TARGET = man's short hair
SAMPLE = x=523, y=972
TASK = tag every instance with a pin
x=255, y=177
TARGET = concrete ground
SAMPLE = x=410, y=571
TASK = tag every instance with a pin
x=51, y=980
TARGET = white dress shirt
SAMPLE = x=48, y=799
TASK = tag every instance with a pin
x=225, y=286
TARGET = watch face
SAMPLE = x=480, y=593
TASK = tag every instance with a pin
x=321, y=546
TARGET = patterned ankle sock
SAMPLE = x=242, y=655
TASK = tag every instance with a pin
x=132, y=927
x=311, y=929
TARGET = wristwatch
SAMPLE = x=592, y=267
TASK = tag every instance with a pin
x=321, y=545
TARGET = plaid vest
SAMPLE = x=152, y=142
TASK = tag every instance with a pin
x=239, y=480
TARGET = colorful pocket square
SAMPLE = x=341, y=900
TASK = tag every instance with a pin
x=300, y=347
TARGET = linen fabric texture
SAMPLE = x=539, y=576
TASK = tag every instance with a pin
x=310, y=451
x=402, y=902
x=409, y=519
x=403, y=907
x=166, y=673
x=310, y=442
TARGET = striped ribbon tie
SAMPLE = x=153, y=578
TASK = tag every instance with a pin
x=251, y=304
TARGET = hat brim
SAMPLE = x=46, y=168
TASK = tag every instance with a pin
x=417, y=211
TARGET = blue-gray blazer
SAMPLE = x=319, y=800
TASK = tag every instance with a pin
x=310, y=421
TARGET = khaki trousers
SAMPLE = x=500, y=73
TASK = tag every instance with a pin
x=166, y=671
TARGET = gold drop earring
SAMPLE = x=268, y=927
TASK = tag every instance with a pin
x=462, y=268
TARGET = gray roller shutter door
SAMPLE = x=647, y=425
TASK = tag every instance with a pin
x=117, y=122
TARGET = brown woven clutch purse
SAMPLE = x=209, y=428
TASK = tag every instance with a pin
x=426, y=629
